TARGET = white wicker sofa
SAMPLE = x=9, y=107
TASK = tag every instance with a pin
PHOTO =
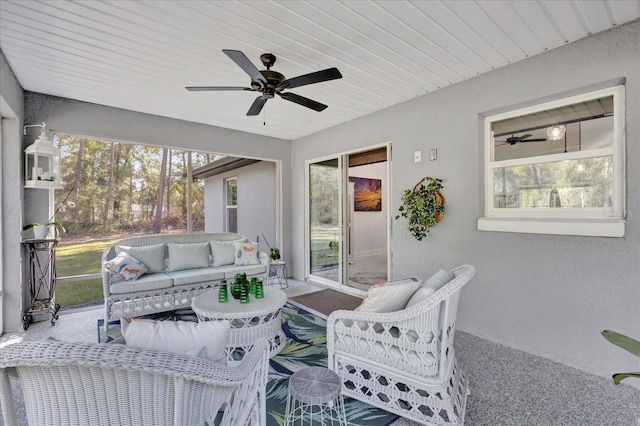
x=404, y=361
x=169, y=284
x=108, y=384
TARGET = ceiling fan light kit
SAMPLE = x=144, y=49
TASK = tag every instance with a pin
x=555, y=133
x=270, y=83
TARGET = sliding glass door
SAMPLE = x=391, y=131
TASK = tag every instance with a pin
x=324, y=220
x=348, y=223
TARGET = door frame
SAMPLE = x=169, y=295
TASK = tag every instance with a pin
x=343, y=206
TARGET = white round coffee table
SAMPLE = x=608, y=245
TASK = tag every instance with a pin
x=249, y=322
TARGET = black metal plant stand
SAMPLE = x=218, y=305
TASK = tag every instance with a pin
x=41, y=278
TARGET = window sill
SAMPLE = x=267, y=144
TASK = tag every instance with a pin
x=582, y=227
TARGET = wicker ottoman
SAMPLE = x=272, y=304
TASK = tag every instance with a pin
x=314, y=395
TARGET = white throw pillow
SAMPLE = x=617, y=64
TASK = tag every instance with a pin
x=178, y=336
x=247, y=254
x=223, y=254
x=430, y=286
x=126, y=267
x=152, y=256
x=188, y=256
x=389, y=296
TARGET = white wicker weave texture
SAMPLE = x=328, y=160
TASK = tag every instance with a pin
x=110, y=384
x=403, y=361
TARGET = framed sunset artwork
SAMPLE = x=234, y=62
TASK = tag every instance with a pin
x=367, y=195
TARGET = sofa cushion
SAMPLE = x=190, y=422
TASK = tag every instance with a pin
x=190, y=276
x=153, y=256
x=126, y=267
x=430, y=286
x=223, y=253
x=247, y=254
x=178, y=336
x=188, y=256
x=230, y=271
x=389, y=296
x=144, y=283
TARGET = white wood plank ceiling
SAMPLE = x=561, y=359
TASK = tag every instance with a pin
x=139, y=55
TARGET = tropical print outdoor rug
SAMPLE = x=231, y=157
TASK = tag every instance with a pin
x=306, y=347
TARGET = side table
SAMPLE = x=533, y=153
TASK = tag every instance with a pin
x=278, y=274
x=249, y=322
x=41, y=279
x=314, y=393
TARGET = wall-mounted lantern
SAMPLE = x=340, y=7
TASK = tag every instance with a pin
x=41, y=162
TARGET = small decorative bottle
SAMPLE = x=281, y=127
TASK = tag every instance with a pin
x=252, y=286
x=244, y=294
x=223, y=295
x=259, y=290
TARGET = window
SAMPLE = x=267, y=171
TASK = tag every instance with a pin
x=558, y=167
x=231, y=208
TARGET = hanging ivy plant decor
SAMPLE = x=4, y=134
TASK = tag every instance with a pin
x=422, y=206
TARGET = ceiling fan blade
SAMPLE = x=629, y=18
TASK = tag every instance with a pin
x=215, y=88
x=314, y=77
x=301, y=100
x=533, y=140
x=257, y=105
x=243, y=62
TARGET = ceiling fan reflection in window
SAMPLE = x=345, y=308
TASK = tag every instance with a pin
x=270, y=83
x=519, y=139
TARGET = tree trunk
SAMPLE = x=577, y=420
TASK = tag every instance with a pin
x=157, y=225
x=169, y=183
x=76, y=181
x=109, y=190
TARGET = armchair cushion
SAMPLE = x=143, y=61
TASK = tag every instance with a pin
x=430, y=286
x=389, y=296
x=152, y=256
x=188, y=256
x=178, y=336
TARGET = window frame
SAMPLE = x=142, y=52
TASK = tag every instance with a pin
x=566, y=221
x=228, y=206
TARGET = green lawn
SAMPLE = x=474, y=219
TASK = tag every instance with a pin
x=79, y=258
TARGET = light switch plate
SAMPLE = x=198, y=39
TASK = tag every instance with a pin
x=417, y=156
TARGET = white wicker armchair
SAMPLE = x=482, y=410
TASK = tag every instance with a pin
x=109, y=384
x=403, y=361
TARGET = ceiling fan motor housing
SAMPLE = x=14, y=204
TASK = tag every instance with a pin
x=268, y=59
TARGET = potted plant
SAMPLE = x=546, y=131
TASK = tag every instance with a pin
x=274, y=252
x=42, y=230
x=626, y=343
x=422, y=206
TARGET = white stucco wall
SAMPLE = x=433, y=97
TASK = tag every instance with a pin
x=256, y=202
x=11, y=115
x=544, y=294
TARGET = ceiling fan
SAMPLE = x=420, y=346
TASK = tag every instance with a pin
x=524, y=138
x=270, y=83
